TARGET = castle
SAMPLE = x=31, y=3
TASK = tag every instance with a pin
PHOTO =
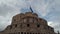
x=28, y=23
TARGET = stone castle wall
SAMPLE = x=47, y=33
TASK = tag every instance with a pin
x=28, y=23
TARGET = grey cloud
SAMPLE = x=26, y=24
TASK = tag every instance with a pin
x=6, y=13
x=4, y=9
x=44, y=8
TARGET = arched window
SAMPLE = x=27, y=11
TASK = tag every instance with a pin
x=28, y=25
x=27, y=32
x=15, y=25
x=38, y=25
x=21, y=32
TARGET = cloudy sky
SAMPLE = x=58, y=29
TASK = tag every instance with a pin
x=47, y=9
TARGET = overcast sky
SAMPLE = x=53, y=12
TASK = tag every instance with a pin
x=47, y=9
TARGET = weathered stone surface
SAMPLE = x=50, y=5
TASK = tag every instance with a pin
x=28, y=23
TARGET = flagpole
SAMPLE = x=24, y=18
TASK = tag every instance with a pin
x=31, y=9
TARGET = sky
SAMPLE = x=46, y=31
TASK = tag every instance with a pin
x=47, y=9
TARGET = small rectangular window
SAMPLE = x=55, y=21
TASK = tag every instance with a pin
x=21, y=32
x=15, y=25
x=28, y=25
x=27, y=33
